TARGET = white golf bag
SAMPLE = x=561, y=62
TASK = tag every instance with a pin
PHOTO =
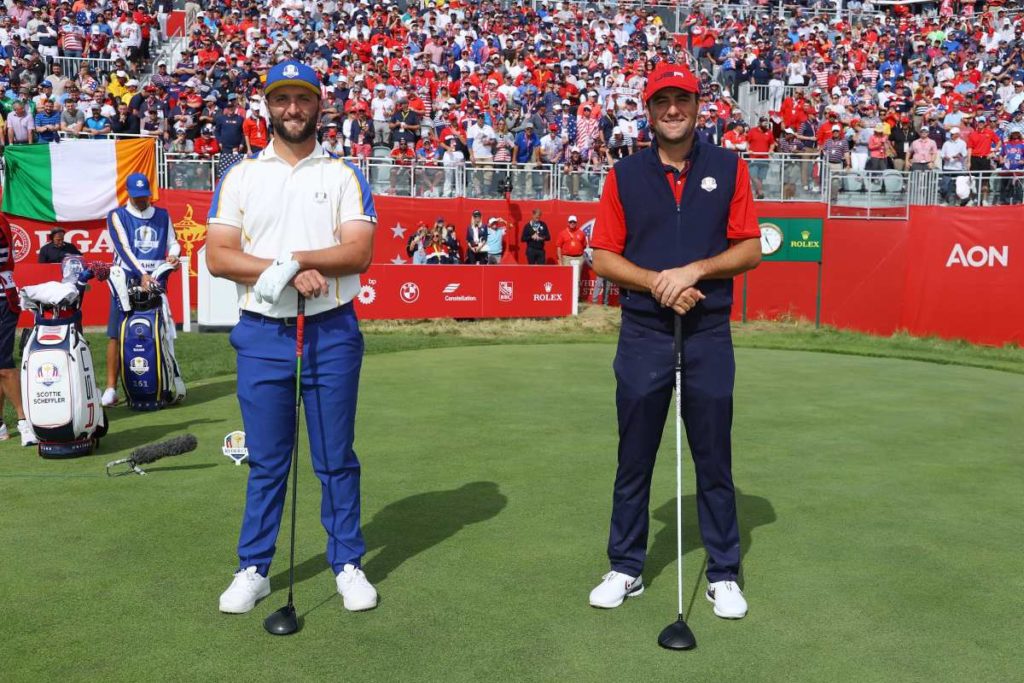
x=149, y=371
x=58, y=378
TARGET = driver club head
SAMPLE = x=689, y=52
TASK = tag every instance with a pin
x=677, y=636
x=283, y=622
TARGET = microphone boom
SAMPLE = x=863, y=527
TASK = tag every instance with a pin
x=144, y=455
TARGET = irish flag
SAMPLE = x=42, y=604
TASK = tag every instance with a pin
x=74, y=180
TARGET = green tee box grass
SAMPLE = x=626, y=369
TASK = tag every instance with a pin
x=879, y=503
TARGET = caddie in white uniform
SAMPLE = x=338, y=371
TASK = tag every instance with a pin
x=295, y=220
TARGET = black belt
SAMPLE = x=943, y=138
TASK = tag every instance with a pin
x=290, y=322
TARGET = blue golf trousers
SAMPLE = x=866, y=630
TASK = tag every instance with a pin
x=332, y=357
x=645, y=374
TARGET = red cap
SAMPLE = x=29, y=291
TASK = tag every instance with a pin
x=553, y=127
x=670, y=76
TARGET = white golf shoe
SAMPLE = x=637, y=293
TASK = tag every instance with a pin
x=4, y=434
x=614, y=588
x=109, y=398
x=247, y=588
x=28, y=437
x=728, y=599
x=357, y=594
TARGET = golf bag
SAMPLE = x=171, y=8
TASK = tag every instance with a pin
x=58, y=378
x=149, y=370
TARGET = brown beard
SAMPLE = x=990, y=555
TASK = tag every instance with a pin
x=307, y=131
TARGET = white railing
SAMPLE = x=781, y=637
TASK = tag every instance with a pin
x=757, y=100
x=71, y=65
x=869, y=194
x=777, y=178
x=186, y=172
x=786, y=177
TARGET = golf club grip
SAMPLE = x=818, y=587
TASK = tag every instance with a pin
x=300, y=324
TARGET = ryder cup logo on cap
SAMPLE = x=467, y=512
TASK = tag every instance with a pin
x=138, y=185
x=292, y=73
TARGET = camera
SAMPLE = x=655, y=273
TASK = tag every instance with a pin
x=505, y=185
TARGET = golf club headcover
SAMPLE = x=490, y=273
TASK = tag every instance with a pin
x=117, y=280
x=178, y=445
x=163, y=271
x=100, y=270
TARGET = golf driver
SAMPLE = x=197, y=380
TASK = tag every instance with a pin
x=284, y=622
x=677, y=635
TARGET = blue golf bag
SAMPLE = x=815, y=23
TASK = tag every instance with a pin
x=149, y=371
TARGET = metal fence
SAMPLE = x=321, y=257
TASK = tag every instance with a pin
x=757, y=100
x=870, y=194
x=72, y=65
x=786, y=177
x=778, y=178
x=186, y=172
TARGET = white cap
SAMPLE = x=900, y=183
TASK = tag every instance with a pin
x=953, y=131
x=573, y=219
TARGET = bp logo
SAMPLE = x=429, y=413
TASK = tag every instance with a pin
x=367, y=295
x=48, y=374
x=22, y=242
x=409, y=292
x=138, y=365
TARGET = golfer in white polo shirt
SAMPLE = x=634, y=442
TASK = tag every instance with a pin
x=294, y=220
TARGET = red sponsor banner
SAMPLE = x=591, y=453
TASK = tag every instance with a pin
x=391, y=292
x=965, y=275
x=952, y=272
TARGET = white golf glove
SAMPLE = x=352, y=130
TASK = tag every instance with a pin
x=274, y=279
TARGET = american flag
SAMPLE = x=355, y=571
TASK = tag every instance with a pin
x=226, y=161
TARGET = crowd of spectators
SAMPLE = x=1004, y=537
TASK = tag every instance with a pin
x=496, y=85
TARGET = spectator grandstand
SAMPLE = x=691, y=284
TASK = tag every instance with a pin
x=827, y=100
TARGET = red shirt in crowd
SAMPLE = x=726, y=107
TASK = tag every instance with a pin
x=759, y=142
x=572, y=242
x=982, y=141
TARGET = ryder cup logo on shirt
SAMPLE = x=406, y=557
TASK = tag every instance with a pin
x=708, y=184
x=145, y=239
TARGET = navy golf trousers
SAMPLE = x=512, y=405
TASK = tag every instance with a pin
x=332, y=358
x=645, y=375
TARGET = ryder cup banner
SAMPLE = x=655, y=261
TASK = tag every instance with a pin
x=390, y=292
x=791, y=239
